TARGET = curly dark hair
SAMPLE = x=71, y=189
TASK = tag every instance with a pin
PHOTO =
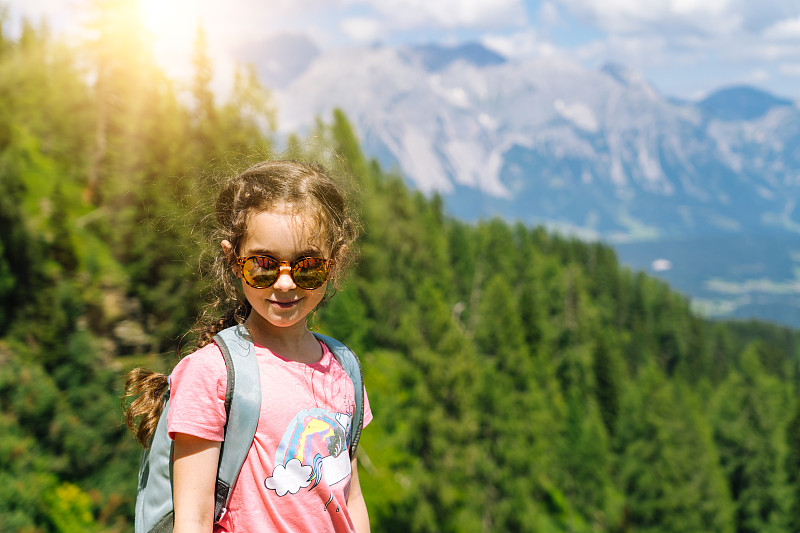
x=304, y=188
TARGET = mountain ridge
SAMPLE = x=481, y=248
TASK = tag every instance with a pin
x=740, y=103
x=600, y=154
x=523, y=131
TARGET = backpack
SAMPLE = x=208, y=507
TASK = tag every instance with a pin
x=154, y=506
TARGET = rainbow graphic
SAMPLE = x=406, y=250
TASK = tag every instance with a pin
x=309, y=432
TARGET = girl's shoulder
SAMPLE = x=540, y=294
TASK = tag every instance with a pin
x=197, y=395
x=207, y=359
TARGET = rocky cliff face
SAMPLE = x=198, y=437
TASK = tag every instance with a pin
x=601, y=152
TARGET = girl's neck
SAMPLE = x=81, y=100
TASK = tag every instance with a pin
x=295, y=343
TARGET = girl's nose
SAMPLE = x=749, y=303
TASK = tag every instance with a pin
x=284, y=281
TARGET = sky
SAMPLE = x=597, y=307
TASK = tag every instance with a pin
x=685, y=48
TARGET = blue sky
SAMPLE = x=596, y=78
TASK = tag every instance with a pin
x=686, y=48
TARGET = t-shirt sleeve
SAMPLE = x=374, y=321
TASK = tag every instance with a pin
x=367, y=410
x=197, y=395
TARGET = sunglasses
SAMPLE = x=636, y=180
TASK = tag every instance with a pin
x=262, y=271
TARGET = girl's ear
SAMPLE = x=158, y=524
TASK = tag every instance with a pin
x=230, y=256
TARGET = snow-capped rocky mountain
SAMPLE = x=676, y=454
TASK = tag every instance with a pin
x=703, y=194
x=547, y=140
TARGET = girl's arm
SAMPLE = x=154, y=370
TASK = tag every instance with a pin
x=194, y=476
x=355, y=501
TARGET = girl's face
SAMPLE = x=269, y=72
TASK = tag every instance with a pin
x=286, y=236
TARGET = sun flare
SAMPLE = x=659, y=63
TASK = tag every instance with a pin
x=172, y=27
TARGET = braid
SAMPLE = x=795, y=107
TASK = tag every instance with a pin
x=148, y=388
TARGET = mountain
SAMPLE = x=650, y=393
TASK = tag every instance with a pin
x=599, y=153
x=740, y=103
x=547, y=140
x=436, y=58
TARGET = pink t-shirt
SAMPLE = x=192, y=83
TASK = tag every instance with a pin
x=297, y=474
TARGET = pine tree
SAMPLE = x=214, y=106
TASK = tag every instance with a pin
x=204, y=107
x=792, y=467
x=748, y=429
x=585, y=459
x=607, y=375
x=667, y=462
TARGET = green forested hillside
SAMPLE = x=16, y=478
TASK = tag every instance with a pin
x=520, y=381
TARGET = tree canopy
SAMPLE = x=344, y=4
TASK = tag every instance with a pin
x=521, y=380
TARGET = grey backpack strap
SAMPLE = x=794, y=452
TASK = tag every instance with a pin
x=243, y=406
x=349, y=361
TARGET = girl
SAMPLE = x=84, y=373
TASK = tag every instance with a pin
x=285, y=233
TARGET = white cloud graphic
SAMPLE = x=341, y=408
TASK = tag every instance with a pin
x=290, y=478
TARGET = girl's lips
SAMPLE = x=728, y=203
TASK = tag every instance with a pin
x=284, y=304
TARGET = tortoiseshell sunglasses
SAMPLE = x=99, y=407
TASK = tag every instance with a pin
x=262, y=271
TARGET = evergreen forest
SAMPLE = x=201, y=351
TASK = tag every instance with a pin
x=521, y=381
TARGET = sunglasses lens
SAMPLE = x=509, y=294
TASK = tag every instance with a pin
x=260, y=272
x=310, y=272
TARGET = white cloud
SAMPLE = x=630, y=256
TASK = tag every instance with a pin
x=758, y=75
x=784, y=29
x=691, y=7
x=701, y=17
x=676, y=41
x=658, y=16
x=790, y=69
x=476, y=14
x=290, y=478
x=362, y=29
x=549, y=14
x=770, y=51
x=393, y=14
